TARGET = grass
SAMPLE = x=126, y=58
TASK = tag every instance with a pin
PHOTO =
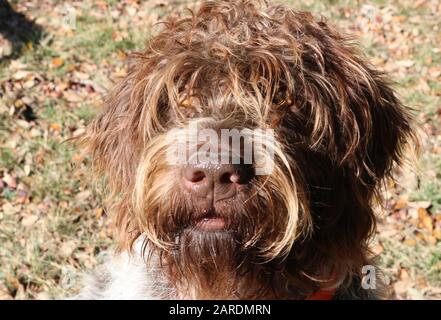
x=52, y=225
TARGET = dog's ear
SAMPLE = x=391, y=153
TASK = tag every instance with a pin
x=113, y=142
x=112, y=137
x=390, y=129
x=372, y=127
x=351, y=128
x=346, y=108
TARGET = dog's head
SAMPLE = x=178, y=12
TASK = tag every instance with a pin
x=327, y=127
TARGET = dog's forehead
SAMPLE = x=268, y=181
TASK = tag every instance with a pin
x=223, y=109
x=224, y=61
x=214, y=102
x=244, y=94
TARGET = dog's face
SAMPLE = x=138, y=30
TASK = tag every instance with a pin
x=331, y=126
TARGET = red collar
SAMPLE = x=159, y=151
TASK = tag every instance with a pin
x=322, y=294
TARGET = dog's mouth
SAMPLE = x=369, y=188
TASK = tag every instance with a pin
x=211, y=220
x=212, y=223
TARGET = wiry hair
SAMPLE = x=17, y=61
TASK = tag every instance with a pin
x=339, y=129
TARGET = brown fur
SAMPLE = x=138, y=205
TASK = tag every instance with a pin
x=339, y=128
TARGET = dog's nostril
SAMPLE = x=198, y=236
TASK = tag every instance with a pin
x=224, y=178
x=195, y=176
x=235, y=178
x=239, y=175
x=229, y=177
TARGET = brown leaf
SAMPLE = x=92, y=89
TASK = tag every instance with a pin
x=4, y=292
x=57, y=63
x=98, y=212
x=12, y=281
x=404, y=275
x=425, y=219
x=77, y=158
x=122, y=55
x=437, y=234
x=401, y=204
x=430, y=239
x=55, y=127
x=22, y=196
x=410, y=242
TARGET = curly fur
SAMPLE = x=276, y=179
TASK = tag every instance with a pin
x=339, y=130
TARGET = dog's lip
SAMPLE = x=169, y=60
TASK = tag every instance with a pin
x=211, y=223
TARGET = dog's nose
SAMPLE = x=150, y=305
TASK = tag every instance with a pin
x=219, y=181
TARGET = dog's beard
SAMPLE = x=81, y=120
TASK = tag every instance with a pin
x=207, y=262
x=225, y=259
x=210, y=257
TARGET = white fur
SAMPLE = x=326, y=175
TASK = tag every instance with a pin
x=129, y=277
x=126, y=277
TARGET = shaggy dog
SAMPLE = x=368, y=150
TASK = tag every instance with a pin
x=201, y=230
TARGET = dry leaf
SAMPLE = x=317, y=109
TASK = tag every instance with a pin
x=9, y=209
x=55, y=127
x=430, y=239
x=12, y=281
x=405, y=63
x=404, y=275
x=29, y=220
x=67, y=248
x=72, y=96
x=377, y=249
x=57, y=62
x=77, y=158
x=425, y=219
x=19, y=75
x=23, y=124
x=10, y=181
x=4, y=293
x=437, y=234
x=401, y=204
x=401, y=287
x=410, y=242
x=98, y=212
x=42, y=296
x=27, y=169
x=83, y=195
x=420, y=204
x=122, y=55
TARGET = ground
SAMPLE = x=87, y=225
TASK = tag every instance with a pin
x=58, y=60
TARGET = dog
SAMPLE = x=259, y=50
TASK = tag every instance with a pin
x=292, y=223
